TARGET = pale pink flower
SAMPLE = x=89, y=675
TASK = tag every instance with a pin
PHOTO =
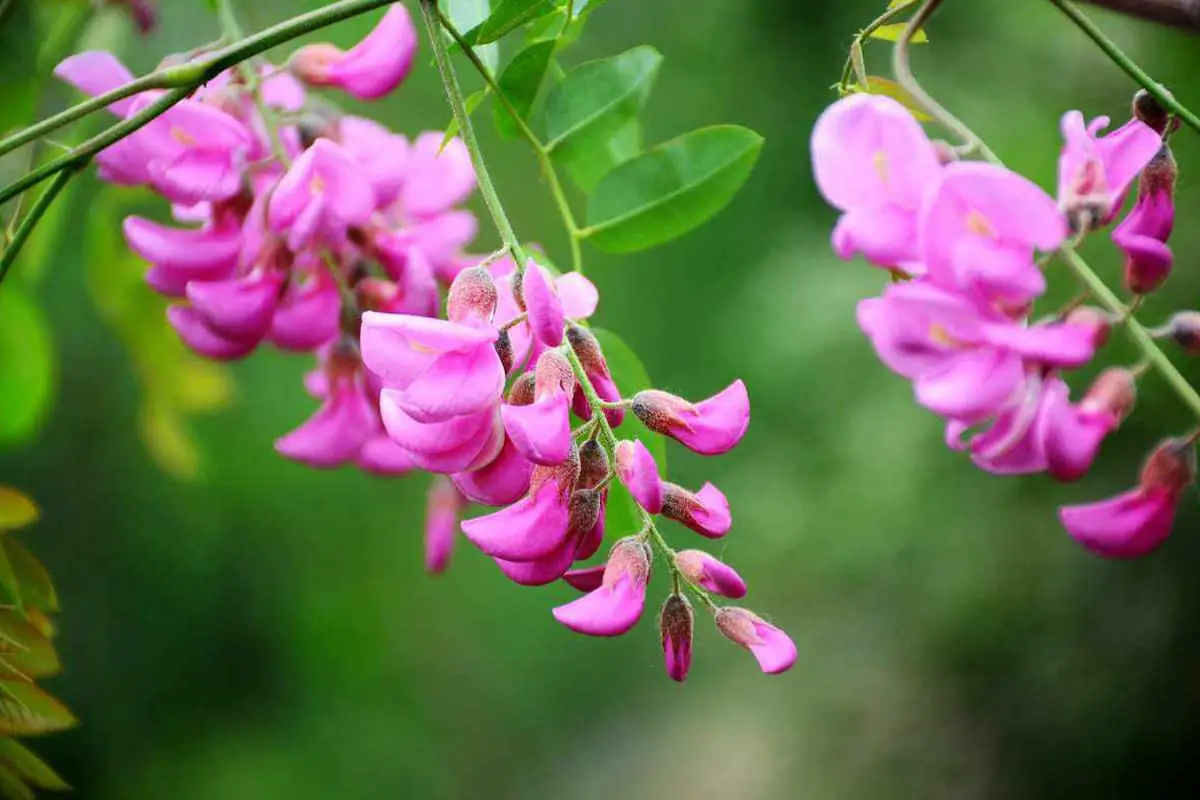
x=774, y=649
x=321, y=197
x=1094, y=172
x=614, y=607
x=710, y=427
x=369, y=70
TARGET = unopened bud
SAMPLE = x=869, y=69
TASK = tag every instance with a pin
x=1098, y=320
x=586, y=346
x=1149, y=110
x=593, y=464
x=630, y=557
x=1113, y=392
x=1184, y=329
x=706, y=512
x=565, y=475
x=376, y=294
x=771, y=647
x=553, y=374
x=583, y=512
x=143, y=12
x=702, y=570
x=311, y=63
x=946, y=154
x=522, y=391
x=676, y=624
x=472, y=294
x=1171, y=467
x=504, y=349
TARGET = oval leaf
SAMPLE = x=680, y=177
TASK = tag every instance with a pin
x=624, y=145
x=596, y=99
x=520, y=82
x=29, y=766
x=510, y=15
x=468, y=16
x=26, y=710
x=26, y=365
x=893, y=32
x=24, y=650
x=671, y=189
x=16, y=510
x=36, y=588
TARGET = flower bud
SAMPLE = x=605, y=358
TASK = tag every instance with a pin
x=143, y=12
x=704, y=571
x=585, y=345
x=711, y=427
x=1149, y=110
x=615, y=606
x=472, y=294
x=946, y=154
x=675, y=624
x=706, y=512
x=566, y=475
x=593, y=464
x=773, y=648
x=1144, y=232
x=584, y=511
x=1098, y=320
x=1114, y=392
x=522, y=391
x=504, y=349
x=630, y=557
x=1184, y=329
x=1170, y=468
x=553, y=374
x=639, y=474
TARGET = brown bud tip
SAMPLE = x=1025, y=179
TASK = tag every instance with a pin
x=566, y=475
x=1184, y=330
x=659, y=411
x=629, y=557
x=583, y=512
x=554, y=373
x=593, y=464
x=676, y=625
x=1149, y=110
x=375, y=294
x=1099, y=320
x=586, y=346
x=946, y=153
x=518, y=288
x=1171, y=467
x=1114, y=392
x=737, y=625
x=473, y=293
x=521, y=393
x=1158, y=177
x=504, y=349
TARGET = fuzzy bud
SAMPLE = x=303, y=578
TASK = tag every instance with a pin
x=676, y=624
x=1184, y=329
x=1097, y=319
x=472, y=294
x=504, y=349
x=1144, y=232
x=706, y=512
x=521, y=393
x=553, y=374
x=710, y=427
x=704, y=571
x=630, y=557
x=1149, y=110
x=1113, y=392
x=593, y=464
x=773, y=649
x=584, y=511
x=595, y=367
x=1171, y=467
x=566, y=475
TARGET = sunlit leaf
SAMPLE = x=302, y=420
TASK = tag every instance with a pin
x=671, y=189
x=467, y=16
x=510, y=15
x=25, y=649
x=520, y=82
x=596, y=99
x=893, y=32
x=29, y=766
x=16, y=510
x=588, y=170
x=37, y=590
x=889, y=88
x=10, y=587
x=901, y=3
x=470, y=103
x=27, y=372
x=26, y=710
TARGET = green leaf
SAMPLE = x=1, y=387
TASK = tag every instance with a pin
x=520, y=82
x=37, y=590
x=25, y=649
x=468, y=16
x=597, y=99
x=671, y=189
x=510, y=15
x=26, y=365
x=26, y=710
x=893, y=32
x=622, y=516
x=29, y=766
x=470, y=103
x=626, y=143
x=10, y=587
x=16, y=510
x=12, y=787
x=889, y=88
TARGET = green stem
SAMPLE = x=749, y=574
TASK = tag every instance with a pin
x=21, y=235
x=854, y=61
x=539, y=148
x=454, y=96
x=232, y=29
x=1123, y=61
x=183, y=79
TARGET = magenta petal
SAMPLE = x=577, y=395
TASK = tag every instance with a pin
x=499, y=483
x=1126, y=526
x=777, y=652
x=884, y=235
x=239, y=309
x=579, y=295
x=543, y=306
x=586, y=579
x=190, y=326
x=638, y=472
x=714, y=515
x=973, y=386
x=456, y=384
x=381, y=456
x=208, y=252
x=710, y=573
x=544, y=570
x=433, y=437
x=94, y=73
x=379, y=153
x=381, y=61
x=438, y=177
x=335, y=434
x=308, y=317
x=719, y=423
x=1051, y=344
x=607, y=611
x=530, y=529
x=195, y=175
x=540, y=431
x=442, y=505
x=400, y=347
x=1125, y=152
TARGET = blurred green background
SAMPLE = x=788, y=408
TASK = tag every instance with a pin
x=268, y=631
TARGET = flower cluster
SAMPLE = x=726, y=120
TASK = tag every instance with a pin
x=961, y=240
x=319, y=232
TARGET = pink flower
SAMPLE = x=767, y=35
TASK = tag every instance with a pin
x=583, y=515
x=436, y=178
x=1144, y=232
x=1013, y=444
x=586, y=346
x=194, y=331
x=711, y=427
x=577, y=295
x=1095, y=172
x=370, y=69
x=979, y=230
x=706, y=512
x=1138, y=521
x=586, y=579
x=381, y=155
x=774, y=649
x=239, y=309
x=320, y=198
x=617, y=604
x=457, y=444
x=533, y=527
x=675, y=624
x=965, y=364
x=639, y=474
x=308, y=315
x=543, y=305
x=96, y=72
x=441, y=523
x=502, y=481
x=177, y=256
x=345, y=422
x=1073, y=434
x=708, y=573
x=872, y=161
x=541, y=431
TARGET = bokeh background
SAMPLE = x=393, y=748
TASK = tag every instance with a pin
x=261, y=630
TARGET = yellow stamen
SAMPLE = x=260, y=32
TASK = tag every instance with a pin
x=980, y=225
x=880, y=162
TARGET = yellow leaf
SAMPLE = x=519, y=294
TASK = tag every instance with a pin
x=24, y=651
x=37, y=590
x=202, y=386
x=901, y=4
x=893, y=32
x=16, y=510
x=25, y=762
x=168, y=441
x=26, y=710
x=889, y=88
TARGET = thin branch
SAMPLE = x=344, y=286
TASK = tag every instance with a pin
x=1183, y=14
x=25, y=229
